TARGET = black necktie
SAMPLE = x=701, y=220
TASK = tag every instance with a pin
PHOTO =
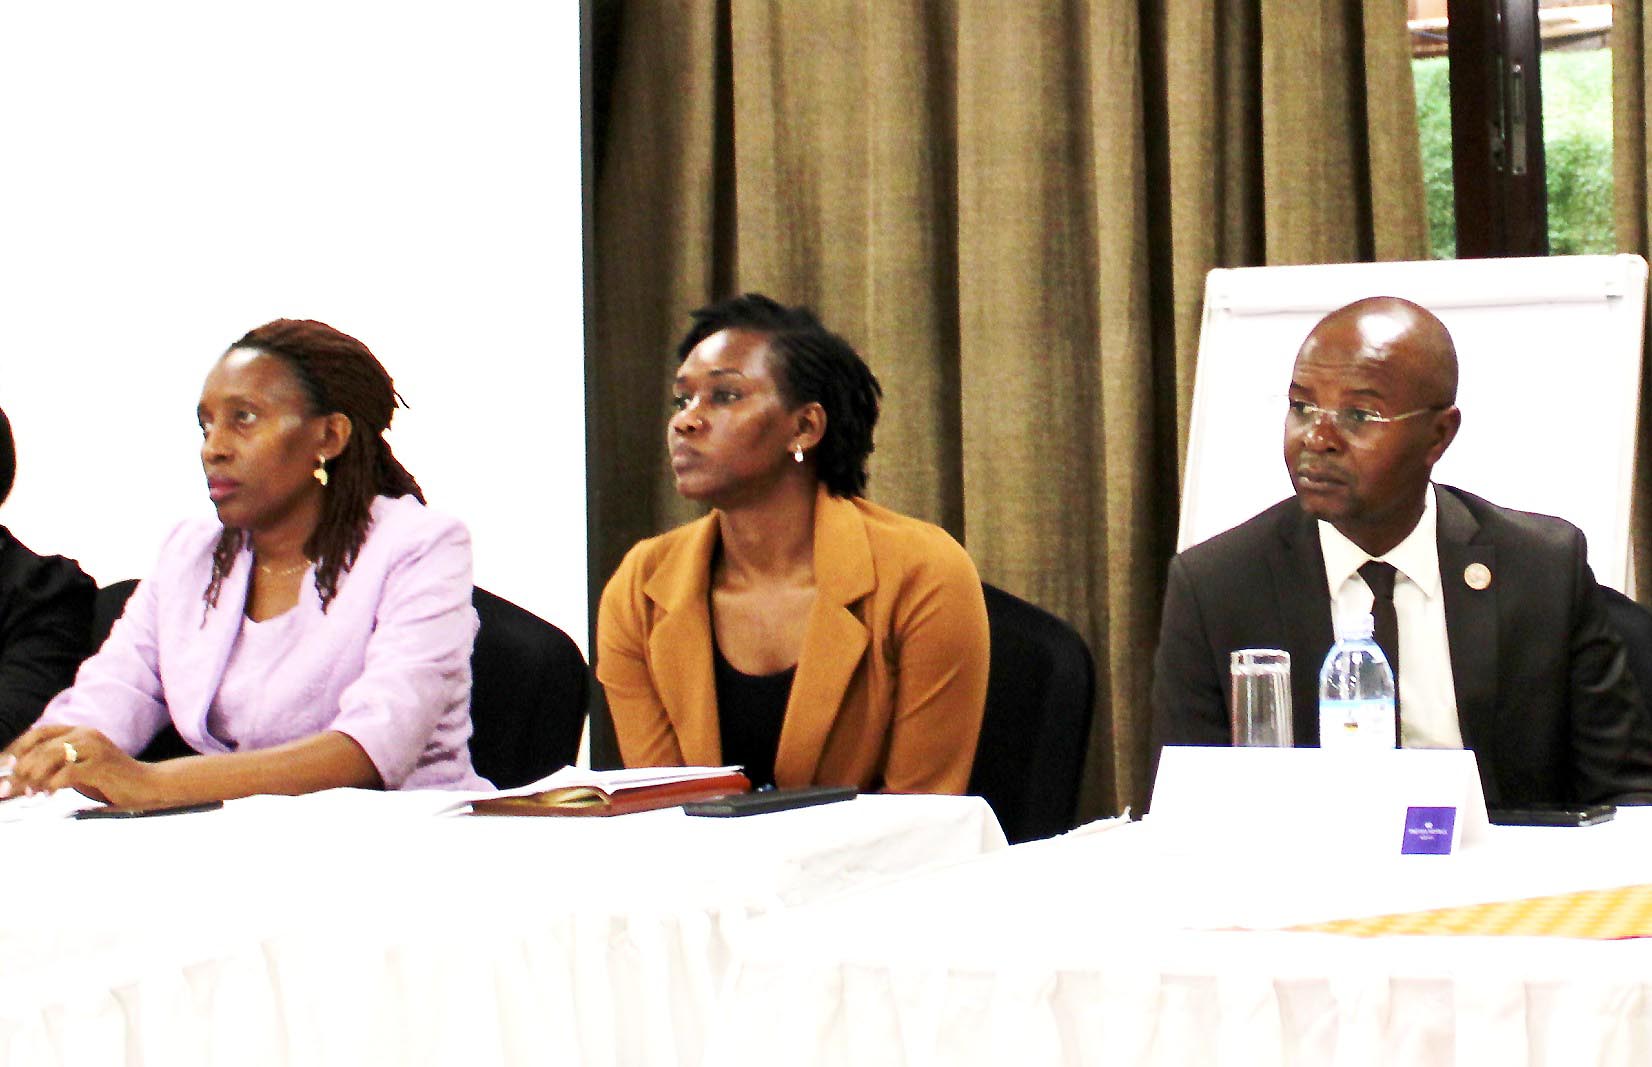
x=1380, y=577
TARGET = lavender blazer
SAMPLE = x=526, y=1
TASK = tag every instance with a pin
x=388, y=663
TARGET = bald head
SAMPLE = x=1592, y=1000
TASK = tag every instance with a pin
x=1372, y=409
x=1404, y=336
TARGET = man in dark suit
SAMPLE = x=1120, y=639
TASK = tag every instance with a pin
x=45, y=617
x=1502, y=641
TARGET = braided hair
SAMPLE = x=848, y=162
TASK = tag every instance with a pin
x=812, y=365
x=337, y=374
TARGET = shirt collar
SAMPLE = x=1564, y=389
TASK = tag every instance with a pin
x=1417, y=556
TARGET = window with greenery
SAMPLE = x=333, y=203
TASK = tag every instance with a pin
x=1574, y=117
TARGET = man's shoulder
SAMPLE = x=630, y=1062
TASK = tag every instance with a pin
x=17, y=558
x=28, y=576
x=1243, y=543
x=1508, y=526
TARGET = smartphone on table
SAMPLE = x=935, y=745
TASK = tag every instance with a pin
x=1553, y=815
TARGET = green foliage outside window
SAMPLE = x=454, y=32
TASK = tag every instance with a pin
x=1577, y=144
x=1431, y=77
x=1577, y=141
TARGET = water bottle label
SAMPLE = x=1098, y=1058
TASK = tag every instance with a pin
x=1356, y=724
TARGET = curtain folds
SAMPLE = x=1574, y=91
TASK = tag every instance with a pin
x=1631, y=219
x=1009, y=208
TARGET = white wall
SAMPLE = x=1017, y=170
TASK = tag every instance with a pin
x=179, y=172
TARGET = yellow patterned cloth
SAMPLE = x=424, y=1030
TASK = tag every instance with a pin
x=1595, y=914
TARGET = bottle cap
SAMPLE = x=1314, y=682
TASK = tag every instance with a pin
x=1353, y=625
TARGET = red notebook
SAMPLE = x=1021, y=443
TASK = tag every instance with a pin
x=615, y=793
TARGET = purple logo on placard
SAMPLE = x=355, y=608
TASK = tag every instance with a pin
x=1428, y=831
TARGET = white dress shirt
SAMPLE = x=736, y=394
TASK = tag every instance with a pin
x=1428, y=700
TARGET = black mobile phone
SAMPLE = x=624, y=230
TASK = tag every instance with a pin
x=144, y=813
x=1553, y=815
x=771, y=800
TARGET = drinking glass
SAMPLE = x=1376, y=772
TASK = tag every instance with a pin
x=1261, y=697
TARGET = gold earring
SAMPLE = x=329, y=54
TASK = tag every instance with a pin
x=797, y=453
x=321, y=470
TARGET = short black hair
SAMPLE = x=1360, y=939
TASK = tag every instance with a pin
x=8, y=458
x=812, y=364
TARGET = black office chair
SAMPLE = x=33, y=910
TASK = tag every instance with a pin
x=106, y=608
x=528, y=689
x=1040, y=693
x=527, y=697
x=1633, y=623
x=605, y=751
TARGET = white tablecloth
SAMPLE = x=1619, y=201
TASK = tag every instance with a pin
x=355, y=928
x=1108, y=948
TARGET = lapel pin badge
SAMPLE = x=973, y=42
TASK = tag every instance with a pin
x=1477, y=576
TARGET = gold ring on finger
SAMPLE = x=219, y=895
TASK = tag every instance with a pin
x=69, y=753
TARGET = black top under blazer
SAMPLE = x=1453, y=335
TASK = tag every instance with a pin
x=1544, y=695
x=45, y=626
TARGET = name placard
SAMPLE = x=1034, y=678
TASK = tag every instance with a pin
x=1428, y=831
x=1414, y=802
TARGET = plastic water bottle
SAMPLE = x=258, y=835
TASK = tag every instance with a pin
x=1356, y=690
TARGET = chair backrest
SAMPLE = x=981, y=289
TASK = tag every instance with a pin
x=1040, y=693
x=605, y=750
x=1633, y=623
x=529, y=685
x=106, y=608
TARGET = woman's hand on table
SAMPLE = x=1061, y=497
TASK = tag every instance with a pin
x=48, y=758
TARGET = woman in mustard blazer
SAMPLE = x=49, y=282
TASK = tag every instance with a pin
x=797, y=630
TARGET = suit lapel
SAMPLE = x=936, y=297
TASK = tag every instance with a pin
x=192, y=688
x=1297, y=567
x=1471, y=618
x=680, y=643
x=834, y=640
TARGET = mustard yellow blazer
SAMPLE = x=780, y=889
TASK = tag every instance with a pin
x=890, y=681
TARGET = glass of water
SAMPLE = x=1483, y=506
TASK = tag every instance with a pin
x=1261, y=692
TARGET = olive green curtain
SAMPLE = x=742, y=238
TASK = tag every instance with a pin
x=1009, y=207
x=1629, y=116
x=1630, y=215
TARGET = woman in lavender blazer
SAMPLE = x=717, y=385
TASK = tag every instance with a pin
x=317, y=635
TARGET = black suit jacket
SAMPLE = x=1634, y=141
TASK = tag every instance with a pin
x=1544, y=695
x=45, y=626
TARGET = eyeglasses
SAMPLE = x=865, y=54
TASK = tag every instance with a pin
x=1351, y=423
